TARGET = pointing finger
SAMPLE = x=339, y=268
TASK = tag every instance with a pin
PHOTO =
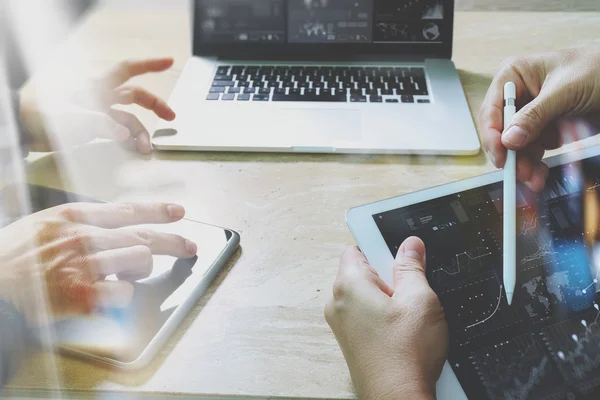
x=144, y=98
x=116, y=215
x=126, y=70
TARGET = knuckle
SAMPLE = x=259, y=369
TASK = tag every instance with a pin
x=526, y=67
x=71, y=213
x=341, y=289
x=78, y=242
x=49, y=230
x=145, y=237
x=407, y=266
x=335, y=309
x=532, y=115
x=515, y=62
x=135, y=97
x=127, y=209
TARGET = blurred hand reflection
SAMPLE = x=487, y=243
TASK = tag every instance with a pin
x=54, y=262
x=551, y=89
x=88, y=113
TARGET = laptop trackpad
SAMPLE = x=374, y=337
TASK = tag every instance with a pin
x=314, y=127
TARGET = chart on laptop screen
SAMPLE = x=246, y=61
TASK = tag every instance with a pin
x=547, y=344
x=323, y=21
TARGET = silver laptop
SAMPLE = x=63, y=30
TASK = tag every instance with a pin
x=322, y=76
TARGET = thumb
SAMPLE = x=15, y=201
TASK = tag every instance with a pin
x=531, y=120
x=409, y=267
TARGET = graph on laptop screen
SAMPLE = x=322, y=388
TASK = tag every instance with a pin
x=322, y=21
x=547, y=344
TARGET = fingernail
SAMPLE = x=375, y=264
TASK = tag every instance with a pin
x=175, y=211
x=515, y=135
x=408, y=250
x=191, y=247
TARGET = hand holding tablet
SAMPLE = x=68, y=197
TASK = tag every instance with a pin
x=494, y=347
x=365, y=310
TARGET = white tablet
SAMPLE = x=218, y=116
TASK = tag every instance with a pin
x=547, y=344
x=131, y=337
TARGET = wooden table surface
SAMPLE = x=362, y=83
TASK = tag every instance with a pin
x=260, y=330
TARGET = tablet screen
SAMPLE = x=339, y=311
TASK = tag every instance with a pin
x=547, y=344
x=123, y=334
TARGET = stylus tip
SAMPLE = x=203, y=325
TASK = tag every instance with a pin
x=509, y=297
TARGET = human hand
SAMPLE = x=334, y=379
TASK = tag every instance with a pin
x=395, y=341
x=550, y=87
x=88, y=113
x=53, y=264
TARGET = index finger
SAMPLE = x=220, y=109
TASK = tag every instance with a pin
x=354, y=264
x=122, y=214
x=146, y=99
x=126, y=70
x=491, y=116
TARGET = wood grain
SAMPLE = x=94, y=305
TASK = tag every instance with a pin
x=260, y=330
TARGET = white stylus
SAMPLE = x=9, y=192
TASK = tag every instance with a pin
x=509, y=266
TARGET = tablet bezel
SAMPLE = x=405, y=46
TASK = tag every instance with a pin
x=361, y=223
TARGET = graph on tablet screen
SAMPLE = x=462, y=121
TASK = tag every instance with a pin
x=547, y=344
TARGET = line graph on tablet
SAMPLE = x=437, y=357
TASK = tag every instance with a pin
x=547, y=344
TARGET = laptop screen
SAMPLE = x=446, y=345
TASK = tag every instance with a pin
x=278, y=23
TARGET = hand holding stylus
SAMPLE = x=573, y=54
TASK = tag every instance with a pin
x=549, y=87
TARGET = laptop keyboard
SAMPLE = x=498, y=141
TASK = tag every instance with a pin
x=319, y=84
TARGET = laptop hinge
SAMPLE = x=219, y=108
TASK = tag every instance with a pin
x=345, y=58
